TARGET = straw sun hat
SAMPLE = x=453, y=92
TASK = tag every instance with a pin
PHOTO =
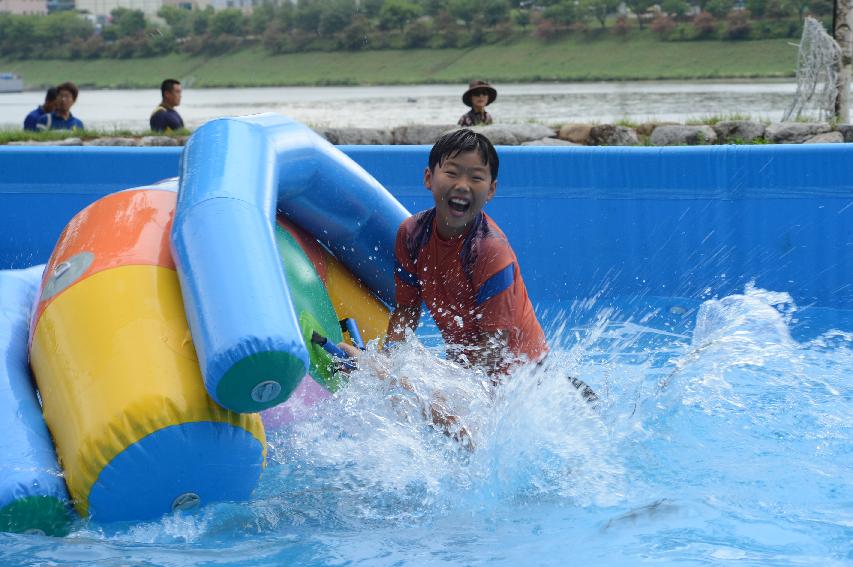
x=476, y=86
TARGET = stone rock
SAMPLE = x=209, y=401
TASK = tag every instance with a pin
x=846, y=131
x=498, y=134
x=549, y=142
x=613, y=135
x=576, y=133
x=64, y=142
x=683, y=135
x=739, y=131
x=112, y=141
x=826, y=138
x=646, y=128
x=794, y=132
x=527, y=132
x=418, y=134
x=357, y=136
x=158, y=141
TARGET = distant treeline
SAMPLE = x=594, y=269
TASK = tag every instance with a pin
x=330, y=25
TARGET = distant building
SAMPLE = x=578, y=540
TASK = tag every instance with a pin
x=23, y=6
x=104, y=7
x=245, y=5
x=59, y=6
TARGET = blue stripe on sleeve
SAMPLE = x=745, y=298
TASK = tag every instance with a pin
x=405, y=275
x=496, y=284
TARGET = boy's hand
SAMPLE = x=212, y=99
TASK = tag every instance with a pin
x=351, y=351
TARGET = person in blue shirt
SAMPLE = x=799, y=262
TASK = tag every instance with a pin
x=165, y=117
x=32, y=118
x=61, y=117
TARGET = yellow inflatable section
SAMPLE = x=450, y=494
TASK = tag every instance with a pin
x=135, y=430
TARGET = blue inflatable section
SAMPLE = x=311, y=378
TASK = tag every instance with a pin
x=235, y=175
x=32, y=490
x=233, y=463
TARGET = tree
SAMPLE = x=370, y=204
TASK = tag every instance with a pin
x=564, y=12
x=336, y=16
x=261, y=17
x=397, y=13
x=639, y=8
x=229, y=21
x=495, y=11
x=201, y=20
x=757, y=8
x=600, y=9
x=308, y=14
x=178, y=20
x=778, y=9
x=675, y=8
x=720, y=8
x=128, y=23
x=356, y=34
x=464, y=10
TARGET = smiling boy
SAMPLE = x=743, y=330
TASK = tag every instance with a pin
x=456, y=260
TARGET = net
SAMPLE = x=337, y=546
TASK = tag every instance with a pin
x=818, y=67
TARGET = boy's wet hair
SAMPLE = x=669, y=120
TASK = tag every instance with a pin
x=50, y=95
x=460, y=141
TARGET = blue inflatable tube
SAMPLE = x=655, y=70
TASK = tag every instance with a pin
x=235, y=174
x=33, y=498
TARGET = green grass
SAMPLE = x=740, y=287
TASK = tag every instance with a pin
x=10, y=135
x=641, y=57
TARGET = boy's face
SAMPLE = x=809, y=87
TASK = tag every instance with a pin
x=63, y=103
x=461, y=186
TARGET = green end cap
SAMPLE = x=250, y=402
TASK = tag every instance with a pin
x=260, y=381
x=46, y=515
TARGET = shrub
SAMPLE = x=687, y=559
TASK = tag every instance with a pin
x=417, y=34
x=621, y=27
x=545, y=30
x=704, y=25
x=355, y=35
x=662, y=26
x=737, y=24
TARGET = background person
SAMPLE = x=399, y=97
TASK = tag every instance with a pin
x=31, y=121
x=165, y=117
x=61, y=118
x=479, y=95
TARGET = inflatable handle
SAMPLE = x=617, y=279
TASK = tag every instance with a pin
x=235, y=174
x=236, y=298
x=349, y=325
x=334, y=350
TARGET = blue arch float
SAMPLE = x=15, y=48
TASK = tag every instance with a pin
x=235, y=175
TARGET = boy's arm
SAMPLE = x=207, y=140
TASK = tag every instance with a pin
x=404, y=317
x=490, y=353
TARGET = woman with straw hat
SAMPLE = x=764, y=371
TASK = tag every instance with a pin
x=479, y=95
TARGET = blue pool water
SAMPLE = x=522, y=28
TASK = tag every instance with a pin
x=724, y=436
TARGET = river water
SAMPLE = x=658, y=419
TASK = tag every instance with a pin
x=390, y=106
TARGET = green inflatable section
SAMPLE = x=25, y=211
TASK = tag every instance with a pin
x=313, y=307
x=36, y=515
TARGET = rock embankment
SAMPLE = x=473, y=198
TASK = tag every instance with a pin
x=576, y=134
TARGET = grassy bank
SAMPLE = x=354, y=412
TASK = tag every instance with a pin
x=638, y=57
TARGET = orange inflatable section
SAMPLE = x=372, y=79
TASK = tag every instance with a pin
x=142, y=242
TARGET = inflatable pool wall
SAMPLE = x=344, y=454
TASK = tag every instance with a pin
x=235, y=175
x=603, y=222
x=135, y=430
x=33, y=498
